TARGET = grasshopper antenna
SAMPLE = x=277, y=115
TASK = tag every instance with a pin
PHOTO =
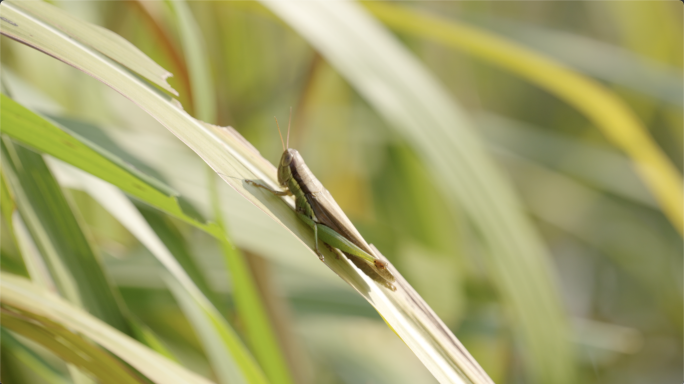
x=288, y=128
x=280, y=133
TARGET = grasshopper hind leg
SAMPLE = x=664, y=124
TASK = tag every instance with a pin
x=320, y=255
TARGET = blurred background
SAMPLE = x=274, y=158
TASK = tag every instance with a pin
x=615, y=258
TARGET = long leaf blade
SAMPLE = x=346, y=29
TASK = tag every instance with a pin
x=107, y=42
x=25, y=302
x=55, y=230
x=45, y=136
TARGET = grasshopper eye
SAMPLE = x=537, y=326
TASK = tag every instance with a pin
x=288, y=156
x=286, y=159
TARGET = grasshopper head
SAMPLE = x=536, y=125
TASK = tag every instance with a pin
x=284, y=170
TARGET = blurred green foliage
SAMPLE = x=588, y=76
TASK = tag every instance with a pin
x=616, y=257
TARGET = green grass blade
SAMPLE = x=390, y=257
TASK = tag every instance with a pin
x=12, y=257
x=36, y=265
x=146, y=336
x=47, y=319
x=32, y=360
x=174, y=241
x=39, y=133
x=250, y=306
x=74, y=266
x=196, y=56
x=7, y=205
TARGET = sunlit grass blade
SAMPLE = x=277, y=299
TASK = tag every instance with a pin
x=600, y=60
x=73, y=264
x=602, y=107
x=49, y=320
x=107, y=42
x=414, y=103
x=69, y=346
x=250, y=305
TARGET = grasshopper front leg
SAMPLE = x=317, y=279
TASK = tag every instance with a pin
x=286, y=192
x=307, y=219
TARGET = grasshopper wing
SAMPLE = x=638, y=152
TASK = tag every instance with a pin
x=329, y=213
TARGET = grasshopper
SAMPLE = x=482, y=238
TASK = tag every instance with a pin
x=316, y=207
